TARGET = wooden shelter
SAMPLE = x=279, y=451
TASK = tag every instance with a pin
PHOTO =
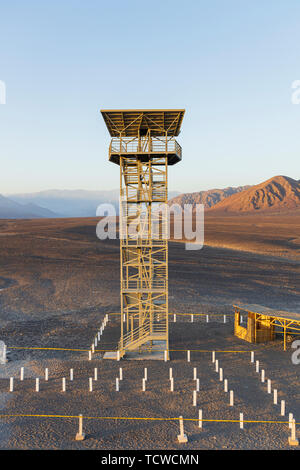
x=262, y=321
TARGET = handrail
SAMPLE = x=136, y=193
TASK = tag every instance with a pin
x=140, y=332
x=144, y=145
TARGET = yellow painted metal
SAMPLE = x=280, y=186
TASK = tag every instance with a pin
x=138, y=122
x=262, y=322
x=143, y=145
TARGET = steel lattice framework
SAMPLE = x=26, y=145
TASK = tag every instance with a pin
x=144, y=148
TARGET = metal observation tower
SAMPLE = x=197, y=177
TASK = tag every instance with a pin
x=143, y=145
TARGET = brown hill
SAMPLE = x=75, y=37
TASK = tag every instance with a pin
x=208, y=198
x=278, y=194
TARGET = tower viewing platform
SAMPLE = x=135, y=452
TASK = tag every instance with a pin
x=144, y=133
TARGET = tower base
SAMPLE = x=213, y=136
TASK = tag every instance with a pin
x=156, y=353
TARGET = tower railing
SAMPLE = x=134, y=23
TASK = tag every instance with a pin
x=155, y=145
x=143, y=333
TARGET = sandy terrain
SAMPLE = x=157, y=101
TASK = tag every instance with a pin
x=274, y=235
x=58, y=281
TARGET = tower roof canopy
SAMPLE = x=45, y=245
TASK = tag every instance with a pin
x=134, y=122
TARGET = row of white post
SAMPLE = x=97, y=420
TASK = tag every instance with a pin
x=292, y=424
x=269, y=385
x=37, y=380
x=182, y=437
x=98, y=337
x=192, y=318
x=219, y=370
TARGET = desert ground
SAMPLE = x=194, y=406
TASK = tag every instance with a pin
x=58, y=281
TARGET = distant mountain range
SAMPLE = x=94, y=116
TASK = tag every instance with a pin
x=278, y=194
x=60, y=203
x=69, y=203
x=10, y=209
x=209, y=198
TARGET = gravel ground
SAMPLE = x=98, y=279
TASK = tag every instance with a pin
x=58, y=281
x=251, y=396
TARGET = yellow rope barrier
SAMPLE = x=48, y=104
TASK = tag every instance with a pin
x=142, y=418
x=47, y=349
x=114, y=350
x=189, y=314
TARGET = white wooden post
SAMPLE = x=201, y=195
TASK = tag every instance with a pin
x=241, y=420
x=90, y=355
x=293, y=441
x=195, y=398
x=213, y=358
x=207, y=318
x=91, y=384
x=93, y=348
x=37, y=384
x=226, y=385
x=174, y=318
x=252, y=356
x=231, y=398
x=200, y=419
x=182, y=438
x=46, y=374
x=144, y=384
x=121, y=373
x=282, y=407
x=224, y=318
x=217, y=365
x=188, y=356
x=80, y=435
x=172, y=384
x=145, y=373
x=195, y=373
x=275, y=396
x=262, y=375
x=192, y=318
x=71, y=374
x=64, y=384
x=22, y=373
x=221, y=374
x=118, y=355
x=197, y=385
x=165, y=356
x=290, y=420
x=11, y=384
x=269, y=386
x=117, y=384
x=95, y=373
x=170, y=373
x=257, y=366
x=181, y=426
x=124, y=318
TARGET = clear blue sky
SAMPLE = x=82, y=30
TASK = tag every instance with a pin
x=230, y=64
